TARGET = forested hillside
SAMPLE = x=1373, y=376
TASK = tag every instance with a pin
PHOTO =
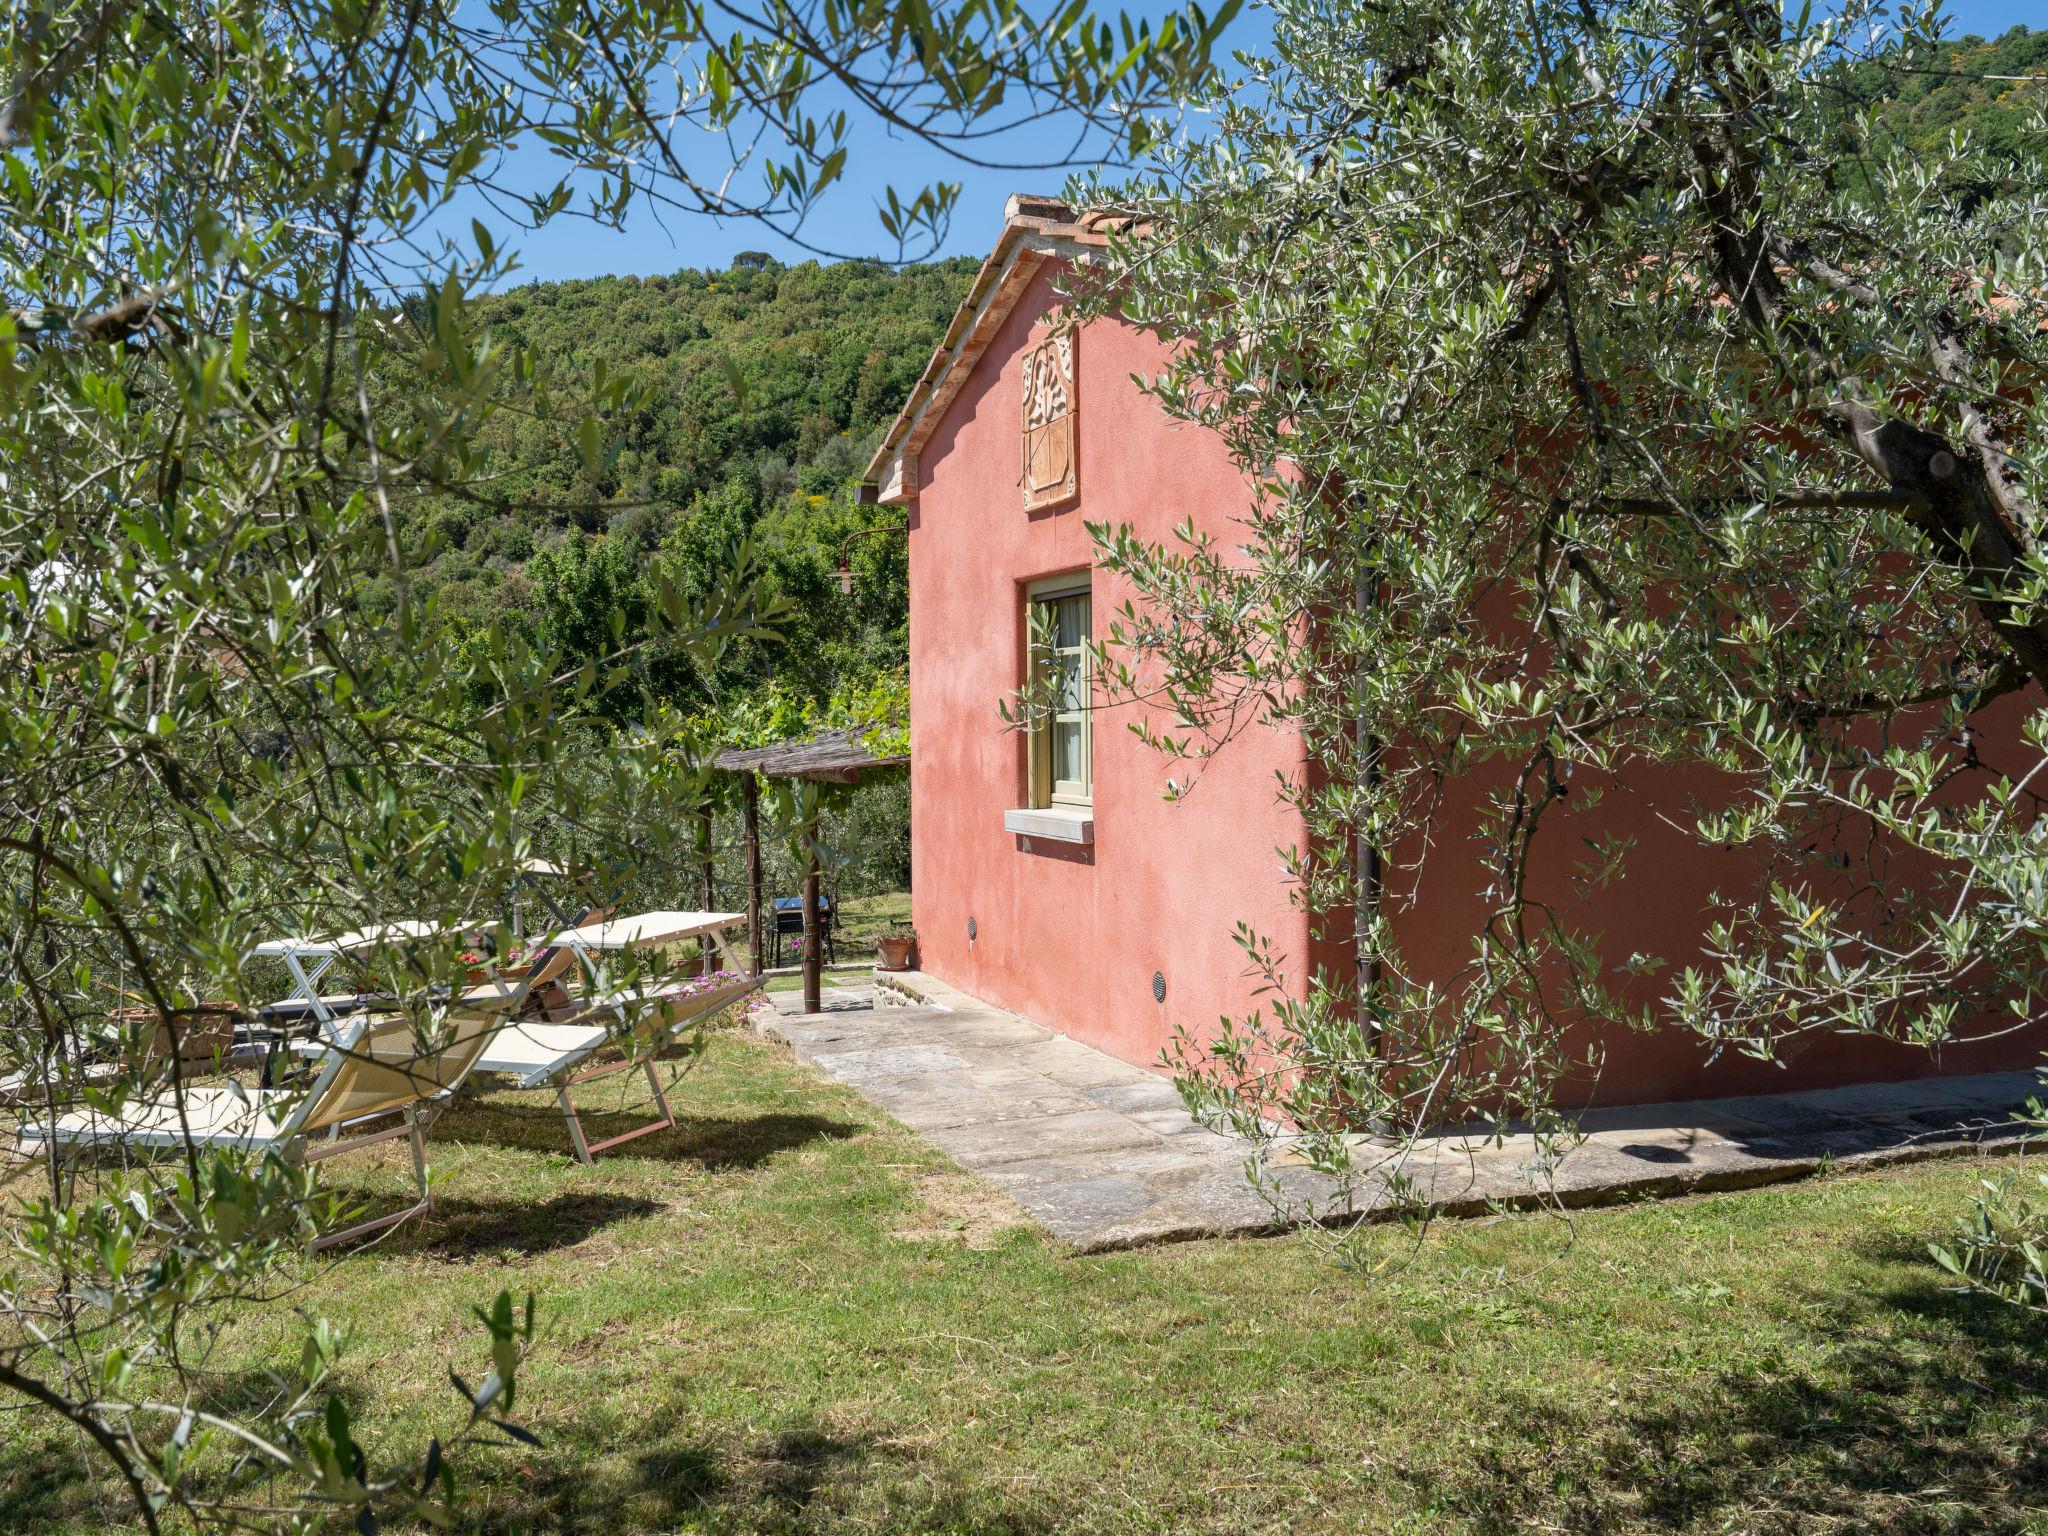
x=820, y=356
x=761, y=392
x=1985, y=88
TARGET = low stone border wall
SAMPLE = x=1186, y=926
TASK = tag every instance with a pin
x=909, y=989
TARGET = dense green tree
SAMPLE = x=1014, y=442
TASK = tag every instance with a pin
x=1623, y=400
x=761, y=392
x=228, y=711
x=589, y=597
x=761, y=358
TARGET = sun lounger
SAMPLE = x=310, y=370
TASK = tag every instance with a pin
x=557, y=1055
x=377, y=1070
x=297, y=951
x=299, y=1011
x=507, y=997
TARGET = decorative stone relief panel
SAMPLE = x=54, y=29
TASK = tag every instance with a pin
x=1050, y=441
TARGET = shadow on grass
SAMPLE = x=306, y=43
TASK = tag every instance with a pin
x=69, y=1485
x=798, y=1480
x=795, y=1482
x=459, y=1229
x=712, y=1142
x=788, y=1471
x=56, y=1485
x=750, y=1140
x=1927, y=1411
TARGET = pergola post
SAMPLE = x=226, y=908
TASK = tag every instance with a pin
x=708, y=951
x=750, y=806
x=814, y=952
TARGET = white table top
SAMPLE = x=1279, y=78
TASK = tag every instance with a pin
x=359, y=938
x=648, y=928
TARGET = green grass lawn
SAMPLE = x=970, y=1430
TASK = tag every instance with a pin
x=791, y=1316
x=861, y=918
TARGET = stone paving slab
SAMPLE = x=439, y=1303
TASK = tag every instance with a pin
x=1105, y=1156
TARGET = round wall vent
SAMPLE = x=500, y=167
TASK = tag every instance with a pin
x=1159, y=986
x=970, y=930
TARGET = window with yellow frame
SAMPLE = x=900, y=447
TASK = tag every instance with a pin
x=1062, y=737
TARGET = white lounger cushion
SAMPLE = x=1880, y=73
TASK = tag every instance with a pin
x=535, y=1052
x=28, y=1087
x=217, y=1117
x=538, y=1053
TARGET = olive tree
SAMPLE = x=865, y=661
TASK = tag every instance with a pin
x=1624, y=402
x=237, y=244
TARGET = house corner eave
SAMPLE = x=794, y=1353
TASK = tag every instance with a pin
x=1036, y=232
x=894, y=482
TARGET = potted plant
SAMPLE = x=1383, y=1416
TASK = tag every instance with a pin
x=203, y=1033
x=892, y=948
x=476, y=959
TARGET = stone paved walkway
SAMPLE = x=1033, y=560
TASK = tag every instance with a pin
x=1104, y=1155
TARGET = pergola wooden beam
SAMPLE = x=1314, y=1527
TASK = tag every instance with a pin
x=833, y=756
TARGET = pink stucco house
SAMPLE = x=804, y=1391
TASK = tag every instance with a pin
x=1050, y=875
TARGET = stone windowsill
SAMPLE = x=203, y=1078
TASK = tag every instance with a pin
x=1057, y=823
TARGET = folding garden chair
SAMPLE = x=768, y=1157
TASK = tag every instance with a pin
x=544, y=1055
x=137, y=1038
x=304, y=1008
x=378, y=1069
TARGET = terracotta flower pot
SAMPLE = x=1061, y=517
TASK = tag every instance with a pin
x=205, y=1033
x=894, y=950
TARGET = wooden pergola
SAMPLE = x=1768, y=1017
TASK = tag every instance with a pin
x=830, y=757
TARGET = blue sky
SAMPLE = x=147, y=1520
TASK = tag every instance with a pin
x=846, y=222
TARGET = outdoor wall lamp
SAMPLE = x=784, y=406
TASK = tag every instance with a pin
x=845, y=569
